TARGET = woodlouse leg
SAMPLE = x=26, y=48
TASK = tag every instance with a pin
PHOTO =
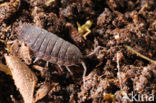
x=11, y=42
x=36, y=59
x=84, y=73
x=69, y=70
x=60, y=67
x=47, y=64
x=42, y=70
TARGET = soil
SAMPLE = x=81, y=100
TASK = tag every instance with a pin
x=112, y=71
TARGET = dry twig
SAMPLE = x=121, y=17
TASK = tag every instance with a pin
x=140, y=55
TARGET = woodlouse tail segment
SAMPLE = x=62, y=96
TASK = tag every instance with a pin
x=84, y=73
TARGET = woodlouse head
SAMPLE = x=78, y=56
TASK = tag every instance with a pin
x=21, y=30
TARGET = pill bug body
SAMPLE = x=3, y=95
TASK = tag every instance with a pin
x=48, y=46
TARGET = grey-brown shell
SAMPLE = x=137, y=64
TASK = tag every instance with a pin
x=48, y=46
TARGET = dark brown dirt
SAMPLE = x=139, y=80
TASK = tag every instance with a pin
x=116, y=23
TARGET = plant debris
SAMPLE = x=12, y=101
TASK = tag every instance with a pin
x=85, y=28
x=42, y=91
x=140, y=55
x=5, y=69
x=25, y=79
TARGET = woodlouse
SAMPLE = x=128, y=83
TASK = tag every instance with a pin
x=49, y=47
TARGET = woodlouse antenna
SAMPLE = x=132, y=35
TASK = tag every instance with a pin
x=93, y=52
x=84, y=73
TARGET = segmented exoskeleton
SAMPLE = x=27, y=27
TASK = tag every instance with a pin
x=49, y=47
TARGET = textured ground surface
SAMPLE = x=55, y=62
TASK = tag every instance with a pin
x=116, y=24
